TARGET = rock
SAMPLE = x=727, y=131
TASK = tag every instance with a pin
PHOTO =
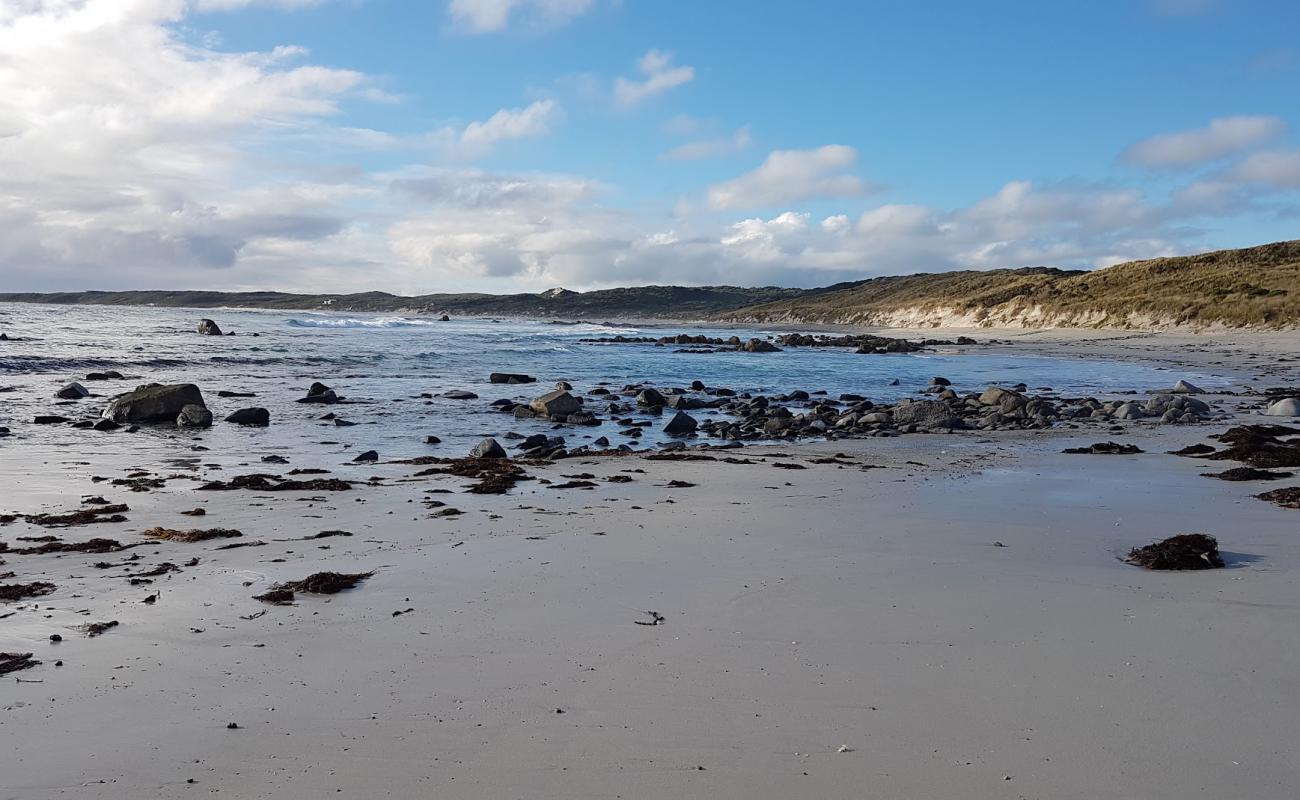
x=432, y=440
x=49, y=419
x=681, y=424
x=1129, y=411
x=927, y=414
x=209, y=328
x=650, y=397
x=759, y=346
x=105, y=425
x=444, y=318
x=459, y=394
x=194, y=416
x=73, y=391
x=558, y=403
x=369, y=455
x=111, y=374
x=228, y=393
x=320, y=393
x=938, y=381
x=1183, y=387
x=154, y=403
x=510, y=377
x=488, y=448
x=1286, y=407
x=1005, y=398
x=256, y=417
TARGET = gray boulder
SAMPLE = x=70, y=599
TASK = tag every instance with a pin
x=194, y=416
x=209, y=328
x=459, y=394
x=73, y=391
x=1183, y=387
x=320, y=393
x=927, y=414
x=1006, y=399
x=153, y=403
x=1286, y=407
x=256, y=417
x=510, y=377
x=488, y=448
x=681, y=424
x=558, y=403
x=1129, y=411
x=650, y=397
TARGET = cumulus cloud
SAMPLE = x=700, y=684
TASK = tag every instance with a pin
x=492, y=16
x=660, y=76
x=1224, y=136
x=791, y=175
x=710, y=148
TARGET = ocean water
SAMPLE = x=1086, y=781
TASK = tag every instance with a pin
x=384, y=362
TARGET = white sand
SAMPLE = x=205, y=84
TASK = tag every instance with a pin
x=805, y=611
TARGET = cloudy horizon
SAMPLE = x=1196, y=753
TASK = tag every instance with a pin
x=517, y=145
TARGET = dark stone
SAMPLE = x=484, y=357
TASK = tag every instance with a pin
x=681, y=424
x=488, y=448
x=255, y=417
x=209, y=328
x=154, y=403
x=369, y=455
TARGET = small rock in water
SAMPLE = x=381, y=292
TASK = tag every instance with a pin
x=369, y=455
x=208, y=328
x=254, y=417
x=194, y=416
x=72, y=391
x=488, y=448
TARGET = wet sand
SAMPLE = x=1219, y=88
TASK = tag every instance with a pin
x=940, y=616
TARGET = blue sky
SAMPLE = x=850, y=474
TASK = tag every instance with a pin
x=512, y=145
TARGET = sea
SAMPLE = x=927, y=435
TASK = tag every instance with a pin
x=387, y=363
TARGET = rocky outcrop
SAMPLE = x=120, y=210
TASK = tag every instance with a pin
x=154, y=403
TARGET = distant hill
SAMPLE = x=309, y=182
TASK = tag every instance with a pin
x=641, y=302
x=1251, y=287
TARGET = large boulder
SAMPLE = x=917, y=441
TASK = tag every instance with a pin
x=209, y=328
x=681, y=424
x=194, y=416
x=257, y=417
x=927, y=414
x=73, y=391
x=650, y=397
x=759, y=346
x=558, y=403
x=1183, y=387
x=488, y=448
x=1006, y=399
x=510, y=377
x=1286, y=407
x=153, y=403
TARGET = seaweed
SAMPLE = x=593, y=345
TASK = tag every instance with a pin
x=1182, y=552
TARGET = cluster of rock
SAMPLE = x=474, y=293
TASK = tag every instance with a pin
x=860, y=343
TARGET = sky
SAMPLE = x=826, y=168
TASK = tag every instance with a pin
x=418, y=146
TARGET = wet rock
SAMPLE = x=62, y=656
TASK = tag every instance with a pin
x=932, y=414
x=432, y=440
x=194, y=416
x=759, y=346
x=650, y=397
x=154, y=403
x=510, y=378
x=558, y=403
x=49, y=419
x=107, y=375
x=1183, y=387
x=681, y=424
x=1105, y=448
x=72, y=391
x=208, y=328
x=105, y=425
x=255, y=417
x=369, y=455
x=488, y=448
x=320, y=393
x=459, y=394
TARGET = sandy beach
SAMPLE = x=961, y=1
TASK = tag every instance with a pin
x=944, y=616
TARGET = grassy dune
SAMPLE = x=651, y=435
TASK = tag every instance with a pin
x=1251, y=287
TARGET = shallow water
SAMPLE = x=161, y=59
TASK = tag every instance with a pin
x=384, y=362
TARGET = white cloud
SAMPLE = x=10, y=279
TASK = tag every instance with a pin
x=1279, y=168
x=491, y=16
x=1224, y=136
x=738, y=142
x=791, y=175
x=660, y=76
x=511, y=123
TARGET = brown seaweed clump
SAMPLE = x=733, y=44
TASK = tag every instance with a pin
x=494, y=475
x=12, y=662
x=1287, y=497
x=18, y=591
x=89, y=546
x=1259, y=446
x=1184, y=551
x=316, y=583
x=1247, y=474
x=195, y=535
x=1105, y=449
x=270, y=483
x=85, y=516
